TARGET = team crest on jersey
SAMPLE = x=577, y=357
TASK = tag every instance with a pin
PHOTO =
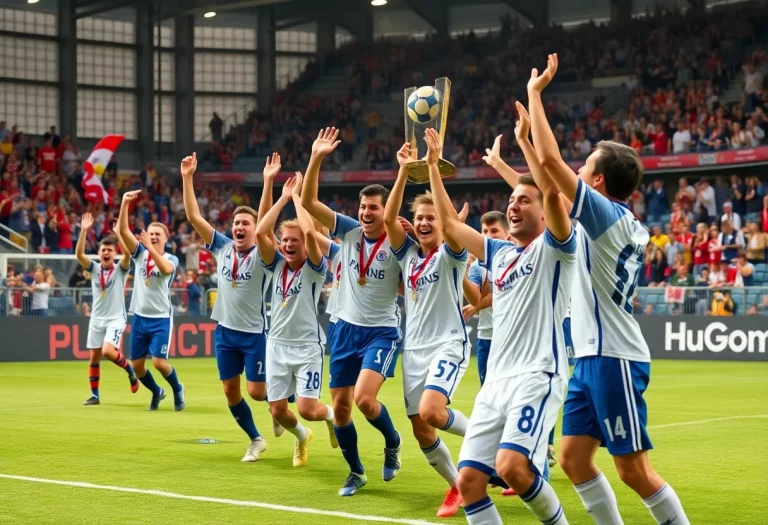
x=382, y=256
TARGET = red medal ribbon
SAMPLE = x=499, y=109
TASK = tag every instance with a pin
x=150, y=264
x=284, y=277
x=500, y=280
x=415, y=275
x=364, y=266
x=235, y=262
x=103, y=281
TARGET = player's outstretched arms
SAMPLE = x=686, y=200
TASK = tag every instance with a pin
x=395, y=232
x=266, y=227
x=457, y=234
x=323, y=146
x=546, y=144
x=86, y=223
x=314, y=252
x=125, y=258
x=271, y=169
x=192, y=209
x=493, y=159
x=123, y=229
x=165, y=266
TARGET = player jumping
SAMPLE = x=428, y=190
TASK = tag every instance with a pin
x=366, y=339
x=605, y=405
x=107, y=322
x=151, y=304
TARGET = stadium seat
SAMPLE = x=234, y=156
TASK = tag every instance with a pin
x=664, y=219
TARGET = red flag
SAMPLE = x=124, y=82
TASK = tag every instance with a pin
x=95, y=165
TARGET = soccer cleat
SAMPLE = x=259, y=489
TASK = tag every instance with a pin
x=509, y=492
x=178, y=399
x=156, y=398
x=134, y=383
x=332, y=435
x=300, y=449
x=352, y=484
x=277, y=428
x=391, y=463
x=93, y=400
x=451, y=503
x=551, y=458
x=255, y=449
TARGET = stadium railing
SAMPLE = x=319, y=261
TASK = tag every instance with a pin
x=698, y=300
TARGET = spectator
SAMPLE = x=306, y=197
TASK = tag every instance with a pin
x=719, y=275
x=722, y=304
x=658, y=203
x=686, y=195
x=659, y=239
x=730, y=242
x=700, y=244
x=649, y=310
x=753, y=84
x=764, y=218
x=43, y=238
x=684, y=240
x=753, y=310
x=216, y=125
x=722, y=191
x=46, y=157
x=743, y=273
x=682, y=277
x=705, y=196
x=757, y=242
x=657, y=265
x=730, y=216
x=78, y=279
x=736, y=196
x=681, y=140
x=754, y=196
x=194, y=292
x=40, y=291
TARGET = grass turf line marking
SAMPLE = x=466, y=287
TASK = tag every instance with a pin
x=223, y=501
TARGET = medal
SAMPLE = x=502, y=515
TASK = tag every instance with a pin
x=283, y=304
x=104, y=281
x=236, y=263
x=414, y=296
x=287, y=287
x=337, y=284
x=103, y=293
x=500, y=280
x=414, y=277
x=367, y=264
x=146, y=283
x=234, y=285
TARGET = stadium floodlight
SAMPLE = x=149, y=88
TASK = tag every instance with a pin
x=32, y=1
x=209, y=14
x=378, y=3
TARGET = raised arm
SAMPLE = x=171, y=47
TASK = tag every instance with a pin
x=123, y=230
x=457, y=234
x=266, y=226
x=493, y=159
x=85, y=225
x=201, y=226
x=314, y=252
x=323, y=146
x=395, y=232
x=125, y=257
x=546, y=144
x=163, y=265
x=271, y=169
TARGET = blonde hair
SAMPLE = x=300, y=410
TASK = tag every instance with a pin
x=162, y=227
x=424, y=198
x=246, y=209
x=290, y=223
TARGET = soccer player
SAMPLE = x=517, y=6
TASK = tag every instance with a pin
x=151, y=304
x=366, y=339
x=436, y=350
x=294, y=345
x=604, y=405
x=240, y=337
x=107, y=322
x=527, y=369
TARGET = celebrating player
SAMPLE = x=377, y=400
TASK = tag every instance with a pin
x=525, y=383
x=151, y=304
x=294, y=346
x=107, y=322
x=436, y=349
x=240, y=338
x=366, y=339
x=611, y=355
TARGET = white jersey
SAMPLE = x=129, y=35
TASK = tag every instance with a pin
x=434, y=316
x=151, y=300
x=373, y=304
x=478, y=276
x=294, y=301
x=240, y=308
x=334, y=259
x=531, y=289
x=111, y=305
x=611, y=247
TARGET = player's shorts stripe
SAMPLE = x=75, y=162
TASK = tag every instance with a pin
x=170, y=336
x=391, y=353
x=633, y=402
x=627, y=397
x=555, y=285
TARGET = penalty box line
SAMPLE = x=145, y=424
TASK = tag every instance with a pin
x=221, y=501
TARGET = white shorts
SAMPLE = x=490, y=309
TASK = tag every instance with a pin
x=294, y=369
x=109, y=331
x=516, y=413
x=437, y=368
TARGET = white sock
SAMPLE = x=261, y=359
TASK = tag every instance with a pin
x=457, y=423
x=439, y=457
x=665, y=507
x=482, y=512
x=329, y=417
x=600, y=501
x=542, y=501
x=299, y=431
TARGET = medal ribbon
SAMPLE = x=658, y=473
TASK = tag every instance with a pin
x=103, y=281
x=235, y=262
x=364, y=266
x=150, y=264
x=415, y=275
x=284, y=277
x=500, y=280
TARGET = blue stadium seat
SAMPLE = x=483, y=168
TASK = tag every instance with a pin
x=664, y=219
x=751, y=217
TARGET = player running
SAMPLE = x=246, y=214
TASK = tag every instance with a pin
x=527, y=368
x=151, y=304
x=436, y=350
x=366, y=339
x=107, y=322
x=240, y=337
x=605, y=405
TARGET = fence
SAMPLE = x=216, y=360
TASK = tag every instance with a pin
x=752, y=300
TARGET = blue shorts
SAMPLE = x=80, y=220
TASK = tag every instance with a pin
x=237, y=351
x=354, y=348
x=605, y=401
x=150, y=336
x=483, y=348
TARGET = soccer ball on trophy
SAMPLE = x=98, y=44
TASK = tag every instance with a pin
x=424, y=104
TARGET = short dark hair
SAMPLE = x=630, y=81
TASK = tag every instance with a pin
x=493, y=217
x=373, y=190
x=527, y=180
x=621, y=167
x=109, y=240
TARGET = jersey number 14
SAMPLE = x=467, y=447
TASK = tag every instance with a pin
x=620, y=297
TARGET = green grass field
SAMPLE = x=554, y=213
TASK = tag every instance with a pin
x=708, y=421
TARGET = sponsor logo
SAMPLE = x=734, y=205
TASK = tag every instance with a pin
x=382, y=256
x=716, y=337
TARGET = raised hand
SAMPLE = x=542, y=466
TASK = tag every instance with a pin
x=523, y=125
x=433, y=145
x=144, y=239
x=464, y=213
x=538, y=82
x=188, y=166
x=272, y=168
x=288, y=187
x=86, y=222
x=128, y=196
x=407, y=226
x=297, y=186
x=326, y=142
x=404, y=154
x=493, y=155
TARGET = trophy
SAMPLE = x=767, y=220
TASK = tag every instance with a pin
x=426, y=107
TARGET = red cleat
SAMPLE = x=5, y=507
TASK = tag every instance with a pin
x=134, y=383
x=451, y=503
x=509, y=492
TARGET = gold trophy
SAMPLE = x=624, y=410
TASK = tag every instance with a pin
x=426, y=107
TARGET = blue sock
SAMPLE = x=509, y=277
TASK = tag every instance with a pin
x=149, y=382
x=242, y=414
x=347, y=438
x=383, y=423
x=173, y=380
x=552, y=436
